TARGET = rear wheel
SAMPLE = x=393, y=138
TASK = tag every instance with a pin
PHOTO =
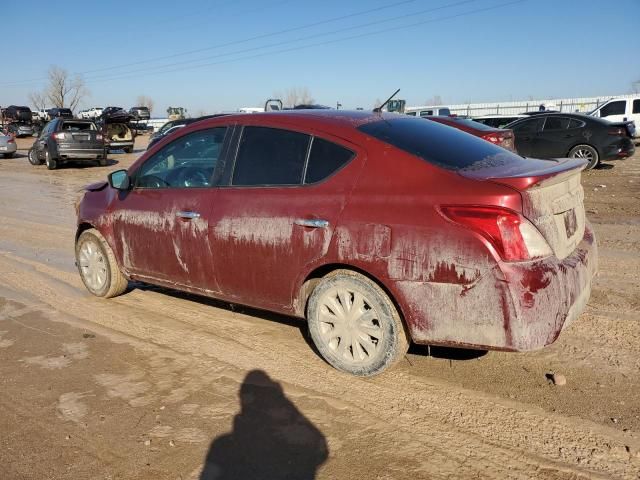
x=8, y=155
x=355, y=325
x=102, y=162
x=51, y=163
x=586, y=152
x=128, y=149
x=98, y=266
x=33, y=158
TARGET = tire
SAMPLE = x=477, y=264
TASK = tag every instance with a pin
x=128, y=149
x=102, y=162
x=33, y=158
x=586, y=152
x=98, y=266
x=9, y=155
x=371, y=345
x=51, y=163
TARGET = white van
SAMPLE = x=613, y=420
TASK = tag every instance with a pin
x=620, y=110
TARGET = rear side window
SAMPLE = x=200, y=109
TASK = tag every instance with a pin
x=325, y=159
x=437, y=144
x=636, y=106
x=270, y=156
x=573, y=123
x=426, y=113
x=613, y=108
x=556, y=123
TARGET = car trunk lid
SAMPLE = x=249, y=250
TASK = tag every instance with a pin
x=552, y=197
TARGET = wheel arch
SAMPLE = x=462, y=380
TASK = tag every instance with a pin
x=313, y=278
x=83, y=227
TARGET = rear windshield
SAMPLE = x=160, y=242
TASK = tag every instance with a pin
x=78, y=126
x=472, y=124
x=438, y=144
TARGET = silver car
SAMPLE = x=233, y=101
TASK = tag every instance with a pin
x=7, y=145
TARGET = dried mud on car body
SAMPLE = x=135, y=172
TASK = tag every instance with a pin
x=143, y=385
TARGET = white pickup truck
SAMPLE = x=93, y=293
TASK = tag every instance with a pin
x=620, y=110
x=92, y=113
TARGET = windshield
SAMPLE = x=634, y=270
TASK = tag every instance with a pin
x=438, y=144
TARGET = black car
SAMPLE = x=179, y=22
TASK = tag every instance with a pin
x=560, y=135
x=59, y=113
x=63, y=139
x=140, y=113
x=17, y=113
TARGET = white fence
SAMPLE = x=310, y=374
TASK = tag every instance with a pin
x=583, y=105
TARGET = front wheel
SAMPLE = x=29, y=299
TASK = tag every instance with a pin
x=98, y=266
x=354, y=324
x=586, y=152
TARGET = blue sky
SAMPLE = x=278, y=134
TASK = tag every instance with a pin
x=473, y=50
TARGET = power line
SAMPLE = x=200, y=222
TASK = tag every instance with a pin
x=317, y=44
x=234, y=42
x=285, y=42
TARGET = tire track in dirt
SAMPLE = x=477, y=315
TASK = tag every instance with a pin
x=472, y=431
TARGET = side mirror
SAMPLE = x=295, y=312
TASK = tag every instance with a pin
x=119, y=180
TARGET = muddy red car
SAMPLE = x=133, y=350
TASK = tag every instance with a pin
x=379, y=229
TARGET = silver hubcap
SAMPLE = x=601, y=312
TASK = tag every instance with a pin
x=583, y=153
x=350, y=326
x=93, y=266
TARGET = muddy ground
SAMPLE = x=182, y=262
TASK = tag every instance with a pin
x=151, y=384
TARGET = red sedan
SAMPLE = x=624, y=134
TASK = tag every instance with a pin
x=379, y=229
x=503, y=137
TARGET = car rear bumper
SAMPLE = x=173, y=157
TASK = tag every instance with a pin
x=119, y=145
x=621, y=149
x=9, y=148
x=73, y=152
x=512, y=306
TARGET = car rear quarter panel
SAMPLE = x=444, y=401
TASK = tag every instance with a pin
x=446, y=279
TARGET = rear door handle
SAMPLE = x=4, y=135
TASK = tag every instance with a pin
x=187, y=215
x=312, y=223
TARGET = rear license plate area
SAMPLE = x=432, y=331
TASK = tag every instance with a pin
x=570, y=222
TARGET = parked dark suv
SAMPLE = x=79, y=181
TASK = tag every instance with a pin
x=60, y=112
x=140, y=113
x=17, y=113
x=64, y=139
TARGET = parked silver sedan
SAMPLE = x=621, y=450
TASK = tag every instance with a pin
x=7, y=145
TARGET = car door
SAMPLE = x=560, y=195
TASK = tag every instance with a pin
x=42, y=142
x=277, y=215
x=525, y=133
x=161, y=224
x=554, y=140
x=615, y=111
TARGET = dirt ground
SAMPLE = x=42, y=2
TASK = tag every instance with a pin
x=157, y=384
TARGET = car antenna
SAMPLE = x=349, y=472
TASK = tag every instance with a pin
x=379, y=109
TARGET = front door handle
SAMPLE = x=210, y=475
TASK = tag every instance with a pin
x=312, y=223
x=187, y=215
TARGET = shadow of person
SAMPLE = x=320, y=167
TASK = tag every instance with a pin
x=271, y=439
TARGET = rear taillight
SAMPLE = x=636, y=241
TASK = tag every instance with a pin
x=99, y=137
x=493, y=138
x=11, y=139
x=618, y=132
x=58, y=136
x=513, y=236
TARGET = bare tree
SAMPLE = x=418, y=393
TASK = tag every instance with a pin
x=64, y=91
x=297, y=96
x=144, y=101
x=635, y=86
x=38, y=100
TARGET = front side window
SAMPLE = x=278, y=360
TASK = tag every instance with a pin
x=270, y=156
x=426, y=113
x=613, y=108
x=636, y=106
x=187, y=162
x=556, y=123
